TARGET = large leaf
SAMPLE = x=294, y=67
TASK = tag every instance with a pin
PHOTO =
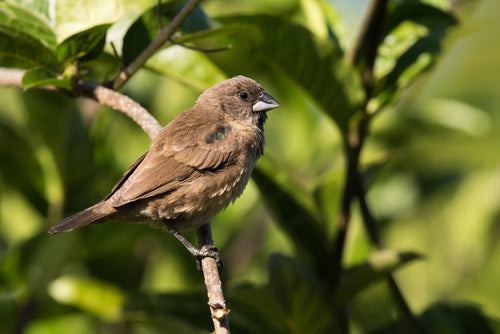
x=419, y=56
x=423, y=14
x=40, y=76
x=356, y=278
x=96, y=297
x=293, y=216
x=169, y=312
x=246, y=301
x=85, y=45
x=293, y=301
x=74, y=16
x=41, y=7
x=316, y=65
x=20, y=50
x=302, y=297
x=43, y=258
x=450, y=317
x=29, y=22
x=188, y=66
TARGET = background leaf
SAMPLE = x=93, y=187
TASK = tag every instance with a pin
x=302, y=298
x=459, y=317
x=85, y=45
x=19, y=50
x=377, y=267
x=39, y=76
x=295, y=219
x=423, y=14
x=317, y=66
x=421, y=54
x=32, y=23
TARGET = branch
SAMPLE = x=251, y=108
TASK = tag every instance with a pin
x=367, y=41
x=212, y=281
x=120, y=102
x=11, y=77
x=162, y=38
x=352, y=151
x=103, y=95
x=366, y=44
x=369, y=31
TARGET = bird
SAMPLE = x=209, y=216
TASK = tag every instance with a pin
x=196, y=166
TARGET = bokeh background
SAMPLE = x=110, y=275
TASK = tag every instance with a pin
x=433, y=171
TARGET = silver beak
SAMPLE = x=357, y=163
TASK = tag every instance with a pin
x=265, y=103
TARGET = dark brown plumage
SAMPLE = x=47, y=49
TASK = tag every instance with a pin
x=197, y=164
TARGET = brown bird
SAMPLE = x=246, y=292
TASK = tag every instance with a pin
x=199, y=163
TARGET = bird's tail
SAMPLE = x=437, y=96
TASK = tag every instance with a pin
x=82, y=218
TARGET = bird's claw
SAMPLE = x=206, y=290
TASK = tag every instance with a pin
x=208, y=251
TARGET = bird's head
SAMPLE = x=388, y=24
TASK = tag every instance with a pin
x=239, y=98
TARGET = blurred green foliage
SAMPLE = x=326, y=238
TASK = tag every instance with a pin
x=431, y=162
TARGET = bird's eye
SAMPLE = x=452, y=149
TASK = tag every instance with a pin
x=243, y=95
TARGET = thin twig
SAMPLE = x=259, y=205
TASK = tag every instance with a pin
x=212, y=281
x=352, y=150
x=158, y=14
x=117, y=56
x=155, y=45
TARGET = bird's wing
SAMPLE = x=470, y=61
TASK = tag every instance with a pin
x=173, y=161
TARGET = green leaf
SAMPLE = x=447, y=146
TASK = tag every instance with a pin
x=418, y=57
x=96, y=297
x=40, y=7
x=74, y=16
x=302, y=297
x=459, y=317
x=41, y=76
x=79, y=324
x=100, y=69
x=27, y=21
x=356, y=278
x=85, y=45
x=317, y=66
x=293, y=301
x=293, y=217
x=20, y=50
x=135, y=41
x=43, y=258
x=146, y=27
x=429, y=45
x=188, y=66
x=246, y=302
x=168, y=312
x=423, y=14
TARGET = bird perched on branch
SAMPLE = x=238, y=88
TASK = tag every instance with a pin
x=199, y=163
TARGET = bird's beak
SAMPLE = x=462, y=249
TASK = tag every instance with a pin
x=266, y=102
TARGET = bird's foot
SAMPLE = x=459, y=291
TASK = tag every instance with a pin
x=208, y=251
